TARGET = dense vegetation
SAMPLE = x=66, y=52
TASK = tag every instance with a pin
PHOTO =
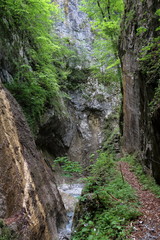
x=107, y=204
x=105, y=21
x=69, y=168
x=38, y=64
x=35, y=54
x=150, y=61
x=6, y=233
x=38, y=58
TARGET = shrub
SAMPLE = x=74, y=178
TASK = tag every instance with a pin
x=107, y=204
x=68, y=167
x=6, y=233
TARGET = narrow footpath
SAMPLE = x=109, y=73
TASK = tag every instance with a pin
x=147, y=226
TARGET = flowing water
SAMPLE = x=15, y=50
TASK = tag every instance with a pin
x=70, y=194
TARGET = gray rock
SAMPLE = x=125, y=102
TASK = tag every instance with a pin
x=141, y=128
x=3, y=204
x=77, y=28
x=5, y=76
x=80, y=133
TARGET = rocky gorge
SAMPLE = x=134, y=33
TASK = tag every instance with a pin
x=80, y=132
x=31, y=205
x=36, y=203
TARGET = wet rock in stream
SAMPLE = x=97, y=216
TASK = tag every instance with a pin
x=69, y=194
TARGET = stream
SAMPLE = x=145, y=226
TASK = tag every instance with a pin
x=70, y=194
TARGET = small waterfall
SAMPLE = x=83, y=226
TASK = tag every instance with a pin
x=70, y=194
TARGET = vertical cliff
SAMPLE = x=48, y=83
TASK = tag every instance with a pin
x=139, y=57
x=76, y=27
x=31, y=203
x=80, y=132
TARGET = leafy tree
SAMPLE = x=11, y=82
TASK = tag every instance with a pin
x=105, y=18
x=35, y=52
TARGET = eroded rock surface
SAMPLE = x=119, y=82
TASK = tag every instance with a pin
x=70, y=194
x=80, y=132
x=141, y=129
x=31, y=202
x=76, y=27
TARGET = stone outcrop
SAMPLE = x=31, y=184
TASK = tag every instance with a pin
x=29, y=200
x=80, y=132
x=76, y=27
x=141, y=129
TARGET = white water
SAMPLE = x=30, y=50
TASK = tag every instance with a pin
x=70, y=194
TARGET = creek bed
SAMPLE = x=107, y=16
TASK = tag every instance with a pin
x=70, y=194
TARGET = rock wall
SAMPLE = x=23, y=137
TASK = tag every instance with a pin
x=29, y=200
x=76, y=27
x=80, y=132
x=141, y=130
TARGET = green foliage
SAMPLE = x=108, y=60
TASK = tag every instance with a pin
x=109, y=203
x=155, y=103
x=34, y=99
x=151, y=51
x=37, y=55
x=150, y=63
x=76, y=79
x=129, y=17
x=104, y=12
x=141, y=30
x=105, y=20
x=6, y=233
x=147, y=180
x=100, y=171
x=111, y=131
x=157, y=12
x=110, y=138
x=69, y=167
x=104, y=67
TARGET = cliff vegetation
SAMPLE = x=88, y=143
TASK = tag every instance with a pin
x=33, y=57
x=63, y=96
x=105, y=18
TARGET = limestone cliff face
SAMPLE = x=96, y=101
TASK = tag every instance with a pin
x=76, y=27
x=30, y=201
x=81, y=131
x=141, y=131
